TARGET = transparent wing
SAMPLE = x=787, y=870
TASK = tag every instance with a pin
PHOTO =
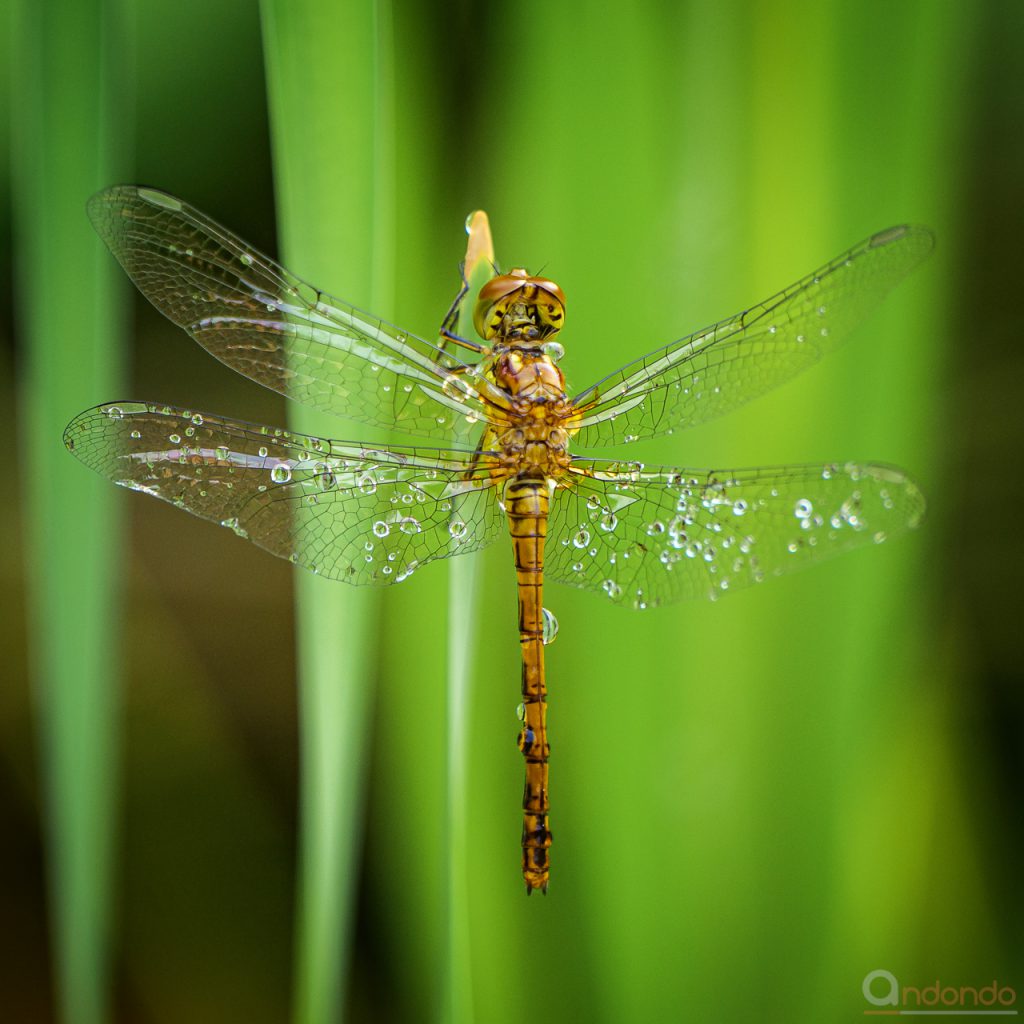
x=721, y=367
x=264, y=322
x=356, y=514
x=645, y=537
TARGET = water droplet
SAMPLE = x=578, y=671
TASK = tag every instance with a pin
x=457, y=529
x=246, y=259
x=233, y=525
x=136, y=435
x=174, y=438
x=612, y=589
x=577, y=567
x=549, y=627
x=115, y=412
x=281, y=473
x=849, y=511
x=803, y=509
x=197, y=419
x=222, y=453
x=381, y=529
x=521, y=712
x=553, y=349
x=739, y=507
x=454, y=387
x=367, y=484
x=581, y=538
x=656, y=528
x=608, y=521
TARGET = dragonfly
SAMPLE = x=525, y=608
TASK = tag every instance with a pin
x=498, y=432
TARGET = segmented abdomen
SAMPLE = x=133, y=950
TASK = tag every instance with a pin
x=526, y=503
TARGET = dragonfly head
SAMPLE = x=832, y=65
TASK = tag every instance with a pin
x=518, y=307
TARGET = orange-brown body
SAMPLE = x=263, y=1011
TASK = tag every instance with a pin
x=521, y=314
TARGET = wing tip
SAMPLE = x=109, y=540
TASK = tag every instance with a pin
x=912, y=499
x=99, y=205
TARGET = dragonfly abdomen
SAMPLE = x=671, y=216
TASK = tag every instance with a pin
x=527, y=504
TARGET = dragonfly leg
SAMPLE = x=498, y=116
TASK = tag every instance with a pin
x=473, y=346
x=451, y=319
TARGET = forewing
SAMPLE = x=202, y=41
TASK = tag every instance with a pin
x=645, y=537
x=356, y=514
x=721, y=367
x=267, y=324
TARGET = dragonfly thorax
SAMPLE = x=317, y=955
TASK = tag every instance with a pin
x=529, y=375
x=520, y=309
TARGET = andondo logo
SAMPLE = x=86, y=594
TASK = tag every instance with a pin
x=883, y=990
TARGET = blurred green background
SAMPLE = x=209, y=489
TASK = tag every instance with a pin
x=755, y=802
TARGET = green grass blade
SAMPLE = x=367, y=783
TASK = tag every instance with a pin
x=464, y=590
x=63, y=151
x=328, y=69
x=463, y=597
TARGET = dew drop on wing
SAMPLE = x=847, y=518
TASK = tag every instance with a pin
x=549, y=626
